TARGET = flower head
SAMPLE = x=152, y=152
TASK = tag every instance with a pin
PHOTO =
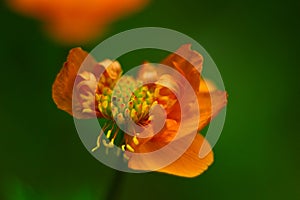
x=145, y=113
x=76, y=21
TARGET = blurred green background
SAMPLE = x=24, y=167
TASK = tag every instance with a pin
x=255, y=44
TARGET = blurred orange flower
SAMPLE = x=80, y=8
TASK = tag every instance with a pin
x=100, y=96
x=76, y=21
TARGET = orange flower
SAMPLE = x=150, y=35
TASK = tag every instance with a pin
x=122, y=101
x=76, y=21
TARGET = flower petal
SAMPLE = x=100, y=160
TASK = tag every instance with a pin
x=113, y=69
x=166, y=92
x=147, y=73
x=63, y=85
x=86, y=82
x=190, y=164
x=207, y=85
x=149, y=142
x=188, y=63
x=210, y=104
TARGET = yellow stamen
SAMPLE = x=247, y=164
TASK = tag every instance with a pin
x=87, y=110
x=105, y=104
x=98, y=142
x=135, y=140
x=112, y=140
x=133, y=113
x=138, y=107
x=123, y=147
x=104, y=98
x=129, y=148
x=151, y=118
x=149, y=94
x=108, y=145
x=100, y=107
x=98, y=97
x=108, y=133
x=145, y=107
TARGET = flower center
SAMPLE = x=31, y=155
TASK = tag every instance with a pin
x=123, y=104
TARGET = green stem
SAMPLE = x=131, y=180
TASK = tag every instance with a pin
x=115, y=188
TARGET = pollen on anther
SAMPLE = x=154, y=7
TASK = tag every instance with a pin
x=105, y=104
x=108, y=133
x=133, y=113
x=98, y=97
x=151, y=118
x=87, y=110
x=135, y=140
x=129, y=148
x=123, y=147
x=108, y=145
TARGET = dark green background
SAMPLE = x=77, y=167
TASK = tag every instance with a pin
x=256, y=47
